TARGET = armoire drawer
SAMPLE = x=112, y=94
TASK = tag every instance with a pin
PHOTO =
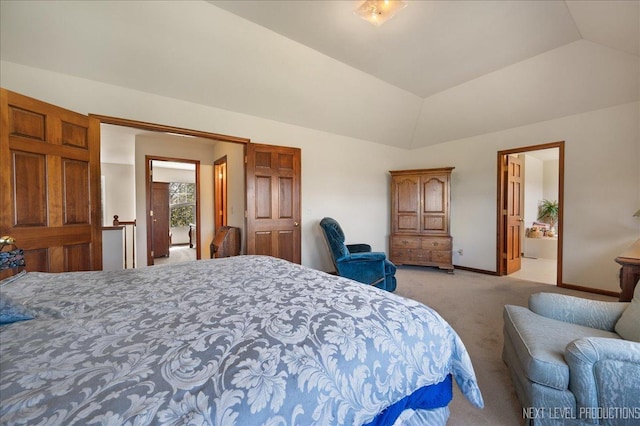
x=420, y=255
x=435, y=243
x=439, y=256
x=399, y=255
x=405, y=242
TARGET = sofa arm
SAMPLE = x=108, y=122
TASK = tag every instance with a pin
x=577, y=310
x=603, y=376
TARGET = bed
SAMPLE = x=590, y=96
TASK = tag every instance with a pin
x=246, y=340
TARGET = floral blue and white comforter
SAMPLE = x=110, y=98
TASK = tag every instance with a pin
x=248, y=340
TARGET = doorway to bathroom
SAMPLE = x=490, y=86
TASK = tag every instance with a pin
x=530, y=243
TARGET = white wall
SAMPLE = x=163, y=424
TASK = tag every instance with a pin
x=533, y=187
x=541, y=183
x=602, y=154
x=347, y=178
x=165, y=174
x=551, y=174
x=120, y=197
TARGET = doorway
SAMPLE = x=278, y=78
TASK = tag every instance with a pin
x=173, y=190
x=527, y=248
x=138, y=139
x=281, y=196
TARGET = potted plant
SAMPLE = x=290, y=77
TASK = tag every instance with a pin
x=548, y=213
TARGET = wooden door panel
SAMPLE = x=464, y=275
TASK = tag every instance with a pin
x=435, y=197
x=263, y=243
x=434, y=191
x=273, y=201
x=286, y=244
x=74, y=135
x=29, y=177
x=406, y=223
x=406, y=196
x=37, y=260
x=26, y=124
x=262, y=159
x=76, y=255
x=286, y=161
x=50, y=184
x=285, y=200
x=263, y=197
x=76, y=199
x=434, y=223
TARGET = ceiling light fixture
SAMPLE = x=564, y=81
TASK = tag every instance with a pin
x=377, y=12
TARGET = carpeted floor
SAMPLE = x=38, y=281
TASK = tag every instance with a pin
x=180, y=253
x=473, y=303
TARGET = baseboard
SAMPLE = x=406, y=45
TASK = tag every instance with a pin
x=479, y=271
x=590, y=290
x=563, y=285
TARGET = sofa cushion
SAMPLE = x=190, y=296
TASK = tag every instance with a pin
x=628, y=326
x=540, y=342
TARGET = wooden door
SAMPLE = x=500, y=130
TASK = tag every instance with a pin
x=50, y=184
x=514, y=212
x=160, y=221
x=435, y=204
x=273, y=201
x=405, y=196
x=220, y=192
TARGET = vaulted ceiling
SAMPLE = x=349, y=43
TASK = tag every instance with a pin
x=438, y=71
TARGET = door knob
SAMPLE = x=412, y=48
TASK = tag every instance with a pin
x=296, y=224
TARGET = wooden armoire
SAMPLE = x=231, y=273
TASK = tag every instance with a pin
x=420, y=216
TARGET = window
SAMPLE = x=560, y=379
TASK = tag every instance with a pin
x=182, y=203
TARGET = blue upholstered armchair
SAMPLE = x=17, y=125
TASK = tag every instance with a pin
x=575, y=361
x=357, y=261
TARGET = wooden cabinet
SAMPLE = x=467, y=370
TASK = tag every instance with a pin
x=629, y=271
x=226, y=242
x=420, y=217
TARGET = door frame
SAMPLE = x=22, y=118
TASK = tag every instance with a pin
x=501, y=222
x=148, y=160
x=161, y=128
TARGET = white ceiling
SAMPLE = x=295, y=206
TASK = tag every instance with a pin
x=431, y=46
x=438, y=71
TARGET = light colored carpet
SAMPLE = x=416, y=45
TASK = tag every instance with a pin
x=473, y=303
x=539, y=270
x=177, y=254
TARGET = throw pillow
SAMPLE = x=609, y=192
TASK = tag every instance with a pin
x=628, y=326
x=12, y=311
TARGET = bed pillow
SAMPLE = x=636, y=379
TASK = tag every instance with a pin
x=12, y=311
x=628, y=326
